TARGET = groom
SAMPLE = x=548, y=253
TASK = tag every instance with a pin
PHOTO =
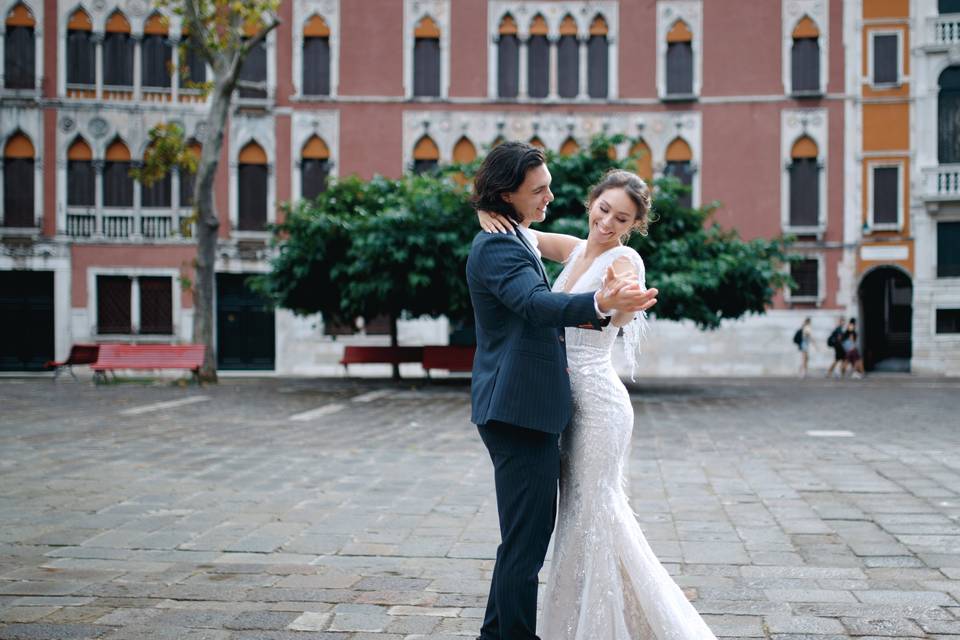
x=521, y=389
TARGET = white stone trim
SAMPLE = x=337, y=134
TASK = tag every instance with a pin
x=582, y=11
x=325, y=124
x=134, y=272
x=901, y=176
x=413, y=12
x=658, y=129
x=819, y=11
x=871, y=34
x=262, y=130
x=668, y=12
x=329, y=10
x=30, y=121
x=36, y=10
x=55, y=257
x=794, y=124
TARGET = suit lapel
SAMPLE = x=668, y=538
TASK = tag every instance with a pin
x=543, y=273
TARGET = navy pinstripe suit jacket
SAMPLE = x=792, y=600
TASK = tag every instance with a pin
x=520, y=369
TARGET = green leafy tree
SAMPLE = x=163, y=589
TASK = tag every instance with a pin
x=222, y=32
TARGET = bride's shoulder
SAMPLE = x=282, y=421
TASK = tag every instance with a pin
x=626, y=254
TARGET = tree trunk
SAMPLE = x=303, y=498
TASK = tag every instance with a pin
x=208, y=225
x=393, y=343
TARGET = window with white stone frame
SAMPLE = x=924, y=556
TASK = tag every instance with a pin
x=19, y=48
x=426, y=48
x=133, y=301
x=316, y=48
x=253, y=203
x=805, y=47
x=803, y=188
x=807, y=273
x=885, y=195
x=563, y=50
x=885, y=58
x=679, y=49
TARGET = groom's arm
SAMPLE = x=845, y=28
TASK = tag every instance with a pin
x=504, y=268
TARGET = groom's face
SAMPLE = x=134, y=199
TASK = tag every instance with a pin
x=533, y=195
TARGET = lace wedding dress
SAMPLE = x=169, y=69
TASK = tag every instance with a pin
x=605, y=582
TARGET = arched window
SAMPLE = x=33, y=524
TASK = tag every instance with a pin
x=193, y=69
x=538, y=59
x=569, y=147
x=187, y=178
x=314, y=168
x=535, y=141
x=81, y=180
x=568, y=59
x=156, y=53
x=508, y=59
x=948, y=126
x=316, y=57
x=117, y=182
x=805, y=57
x=81, y=51
x=597, y=63
x=252, y=185
x=118, y=52
x=426, y=155
x=19, y=59
x=679, y=164
x=254, y=68
x=464, y=151
x=157, y=194
x=18, y=159
x=804, y=184
x=426, y=58
x=643, y=160
x=680, y=59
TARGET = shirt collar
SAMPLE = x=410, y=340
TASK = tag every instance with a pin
x=531, y=239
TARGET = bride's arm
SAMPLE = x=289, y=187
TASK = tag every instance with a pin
x=623, y=267
x=553, y=246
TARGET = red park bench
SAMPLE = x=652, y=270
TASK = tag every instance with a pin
x=355, y=354
x=79, y=354
x=148, y=356
x=451, y=358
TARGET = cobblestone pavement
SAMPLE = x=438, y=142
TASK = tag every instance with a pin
x=302, y=509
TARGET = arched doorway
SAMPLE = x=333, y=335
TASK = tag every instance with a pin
x=886, y=305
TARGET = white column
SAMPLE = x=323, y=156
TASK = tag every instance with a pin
x=613, y=69
x=137, y=199
x=98, y=167
x=493, y=67
x=98, y=63
x=582, y=93
x=175, y=63
x=552, y=83
x=137, y=69
x=523, y=72
x=3, y=49
x=134, y=305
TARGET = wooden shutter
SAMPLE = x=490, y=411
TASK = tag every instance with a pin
x=314, y=168
x=156, y=55
x=568, y=60
x=948, y=249
x=538, y=66
x=806, y=275
x=113, y=305
x=156, y=305
x=804, y=193
x=885, y=68
x=886, y=195
x=316, y=66
x=805, y=65
x=426, y=67
x=679, y=68
x=20, y=50
x=118, y=50
x=18, y=166
x=81, y=58
x=254, y=69
x=597, y=59
x=948, y=125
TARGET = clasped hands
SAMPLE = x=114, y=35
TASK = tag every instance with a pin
x=621, y=292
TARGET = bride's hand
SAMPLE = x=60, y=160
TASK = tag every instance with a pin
x=493, y=222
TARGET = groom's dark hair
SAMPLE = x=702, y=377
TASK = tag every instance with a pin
x=503, y=171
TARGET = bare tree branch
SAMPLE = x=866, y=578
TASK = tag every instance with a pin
x=260, y=37
x=195, y=26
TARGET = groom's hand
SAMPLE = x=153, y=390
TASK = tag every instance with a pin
x=621, y=292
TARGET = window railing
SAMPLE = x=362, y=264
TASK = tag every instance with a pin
x=118, y=224
x=945, y=30
x=942, y=182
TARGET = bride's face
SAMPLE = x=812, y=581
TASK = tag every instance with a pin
x=611, y=216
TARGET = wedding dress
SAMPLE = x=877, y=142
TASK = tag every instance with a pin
x=605, y=582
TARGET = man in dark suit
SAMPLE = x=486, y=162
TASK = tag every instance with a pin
x=521, y=388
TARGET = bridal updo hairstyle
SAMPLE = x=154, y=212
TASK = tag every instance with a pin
x=637, y=190
x=503, y=171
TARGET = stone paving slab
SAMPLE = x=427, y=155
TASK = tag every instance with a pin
x=226, y=520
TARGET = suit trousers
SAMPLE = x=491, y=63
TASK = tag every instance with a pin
x=526, y=467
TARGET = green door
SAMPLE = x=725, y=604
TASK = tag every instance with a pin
x=246, y=332
x=26, y=320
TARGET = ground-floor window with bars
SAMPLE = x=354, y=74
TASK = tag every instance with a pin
x=806, y=275
x=134, y=305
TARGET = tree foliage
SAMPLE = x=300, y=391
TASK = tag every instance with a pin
x=366, y=248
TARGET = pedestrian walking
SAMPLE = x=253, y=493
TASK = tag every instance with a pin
x=851, y=350
x=803, y=338
x=838, y=368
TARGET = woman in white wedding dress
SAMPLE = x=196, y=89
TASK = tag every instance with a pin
x=605, y=582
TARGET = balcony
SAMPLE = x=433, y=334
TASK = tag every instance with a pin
x=128, y=225
x=943, y=32
x=941, y=184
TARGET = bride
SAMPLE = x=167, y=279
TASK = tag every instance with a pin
x=605, y=582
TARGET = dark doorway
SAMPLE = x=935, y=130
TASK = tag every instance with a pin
x=886, y=299
x=26, y=320
x=246, y=334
